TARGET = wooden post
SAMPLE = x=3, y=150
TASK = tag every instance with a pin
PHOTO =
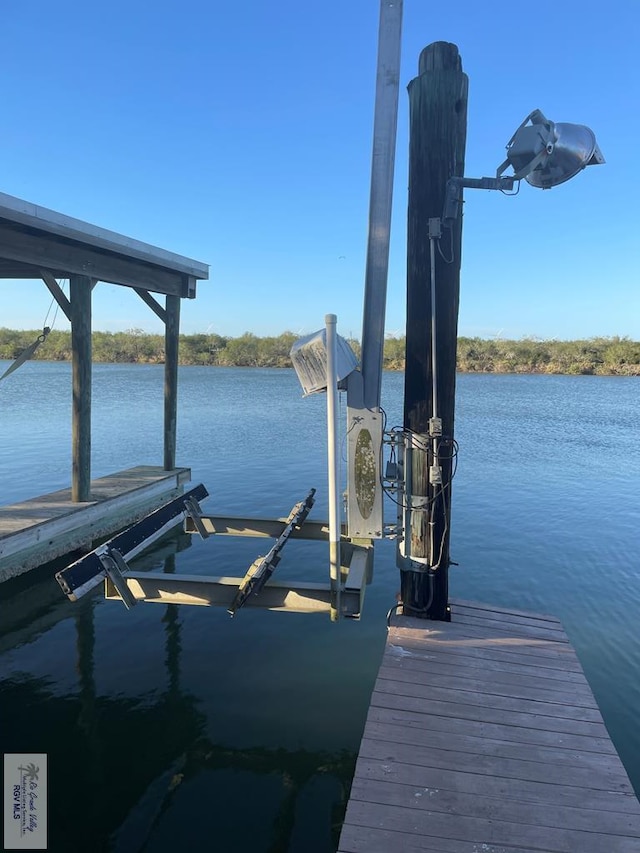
x=80, y=297
x=171, y=340
x=438, y=119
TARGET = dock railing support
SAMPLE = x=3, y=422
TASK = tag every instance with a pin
x=171, y=341
x=438, y=122
x=80, y=293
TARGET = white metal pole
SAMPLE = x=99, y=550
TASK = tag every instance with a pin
x=333, y=458
x=382, y=165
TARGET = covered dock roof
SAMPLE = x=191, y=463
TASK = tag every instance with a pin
x=38, y=243
x=33, y=238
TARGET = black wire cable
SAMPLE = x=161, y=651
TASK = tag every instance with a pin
x=453, y=457
x=451, y=258
x=424, y=609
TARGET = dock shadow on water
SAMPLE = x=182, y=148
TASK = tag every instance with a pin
x=153, y=748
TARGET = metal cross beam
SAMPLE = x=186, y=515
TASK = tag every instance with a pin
x=298, y=597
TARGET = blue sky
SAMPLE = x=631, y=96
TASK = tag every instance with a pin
x=239, y=134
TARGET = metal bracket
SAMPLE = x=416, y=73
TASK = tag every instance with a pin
x=453, y=191
x=114, y=565
x=194, y=512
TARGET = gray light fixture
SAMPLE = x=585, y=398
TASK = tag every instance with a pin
x=546, y=154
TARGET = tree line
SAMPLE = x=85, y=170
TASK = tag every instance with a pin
x=604, y=355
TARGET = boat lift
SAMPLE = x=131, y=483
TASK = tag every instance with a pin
x=350, y=562
x=350, y=544
x=108, y=564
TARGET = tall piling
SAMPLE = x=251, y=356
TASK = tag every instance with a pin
x=438, y=123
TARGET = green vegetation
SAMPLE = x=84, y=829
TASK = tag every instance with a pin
x=602, y=356
x=619, y=356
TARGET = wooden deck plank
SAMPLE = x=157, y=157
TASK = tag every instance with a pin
x=465, y=653
x=516, y=687
x=483, y=735
x=529, y=770
x=463, y=636
x=474, y=745
x=459, y=636
x=468, y=782
x=409, y=720
x=513, y=627
x=485, y=700
x=507, y=618
x=525, y=812
x=381, y=699
x=462, y=606
x=491, y=832
x=17, y=517
x=48, y=526
x=482, y=619
x=366, y=839
x=471, y=667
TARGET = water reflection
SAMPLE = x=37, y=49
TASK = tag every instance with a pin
x=141, y=773
x=525, y=530
x=256, y=799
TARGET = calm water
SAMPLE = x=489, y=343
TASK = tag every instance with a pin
x=177, y=728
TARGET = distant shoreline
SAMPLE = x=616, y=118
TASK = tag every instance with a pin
x=614, y=356
x=459, y=371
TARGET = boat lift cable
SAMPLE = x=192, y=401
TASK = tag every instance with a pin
x=55, y=313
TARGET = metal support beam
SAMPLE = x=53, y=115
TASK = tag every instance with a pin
x=298, y=597
x=160, y=588
x=382, y=167
x=171, y=341
x=233, y=525
x=80, y=293
x=333, y=460
x=364, y=427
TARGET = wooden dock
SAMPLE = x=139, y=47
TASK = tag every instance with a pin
x=43, y=528
x=483, y=736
